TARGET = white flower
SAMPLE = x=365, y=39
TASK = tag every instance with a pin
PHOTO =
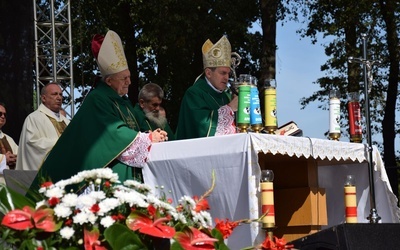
x=80, y=218
x=62, y=211
x=97, y=181
x=107, y=205
x=92, y=218
x=187, y=200
x=70, y=200
x=97, y=195
x=132, y=198
x=40, y=203
x=206, y=218
x=67, y=232
x=85, y=201
x=54, y=191
x=107, y=221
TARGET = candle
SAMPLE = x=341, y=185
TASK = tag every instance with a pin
x=350, y=199
x=267, y=202
x=267, y=198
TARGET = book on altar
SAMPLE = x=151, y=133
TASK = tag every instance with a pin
x=289, y=128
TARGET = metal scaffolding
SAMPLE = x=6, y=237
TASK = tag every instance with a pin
x=53, y=49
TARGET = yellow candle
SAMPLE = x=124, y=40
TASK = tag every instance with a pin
x=267, y=202
x=350, y=201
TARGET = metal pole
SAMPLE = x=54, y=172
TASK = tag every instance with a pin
x=367, y=65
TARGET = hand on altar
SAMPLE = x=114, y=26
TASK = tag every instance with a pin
x=159, y=135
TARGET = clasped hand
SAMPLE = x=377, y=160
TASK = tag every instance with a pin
x=159, y=135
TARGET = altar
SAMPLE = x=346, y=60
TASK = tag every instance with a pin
x=309, y=179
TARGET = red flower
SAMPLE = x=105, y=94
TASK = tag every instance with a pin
x=152, y=210
x=226, y=228
x=279, y=244
x=91, y=240
x=95, y=208
x=201, y=205
x=194, y=239
x=46, y=184
x=44, y=219
x=18, y=219
x=53, y=201
x=107, y=184
x=68, y=222
x=145, y=225
x=29, y=218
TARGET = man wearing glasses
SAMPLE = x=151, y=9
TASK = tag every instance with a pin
x=8, y=148
x=149, y=112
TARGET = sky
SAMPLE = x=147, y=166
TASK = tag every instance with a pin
x=298, y=65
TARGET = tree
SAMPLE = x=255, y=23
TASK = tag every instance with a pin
x=163, y=39
x=16, y=67
x=344, y=21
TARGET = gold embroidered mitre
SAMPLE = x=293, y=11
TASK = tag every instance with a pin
x=111, y=58
x=218, y=54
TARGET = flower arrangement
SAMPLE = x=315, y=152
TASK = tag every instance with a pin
x=105, y=214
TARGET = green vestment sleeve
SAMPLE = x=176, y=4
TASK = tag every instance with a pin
x=198, y=115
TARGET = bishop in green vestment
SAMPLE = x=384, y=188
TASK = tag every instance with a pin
x=207, y=109
x=103, y=133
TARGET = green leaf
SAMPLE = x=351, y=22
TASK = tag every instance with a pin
x=121, y=237
x=9, y=199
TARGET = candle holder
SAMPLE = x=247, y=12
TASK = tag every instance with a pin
x=350, y=199
x=270, y=112
x=334, y=115
x=355, y=128
x=255, y=115
x=243, y=113
x=267, y=202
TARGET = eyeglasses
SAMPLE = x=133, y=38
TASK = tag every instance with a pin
x=3, y=113
x=124, y=79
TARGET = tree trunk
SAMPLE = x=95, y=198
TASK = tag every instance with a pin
x=268, y=24
x=16, y=64
x=388, y=9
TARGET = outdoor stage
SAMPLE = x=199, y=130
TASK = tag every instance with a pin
x=308, y=185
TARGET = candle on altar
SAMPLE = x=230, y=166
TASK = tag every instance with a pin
x=267, y=198
x=350, y=199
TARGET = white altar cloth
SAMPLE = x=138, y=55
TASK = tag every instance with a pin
x=185, y=167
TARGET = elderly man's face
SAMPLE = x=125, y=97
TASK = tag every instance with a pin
x=52, y=98
x=2, y=116
x=153, y=105
x=120, y=82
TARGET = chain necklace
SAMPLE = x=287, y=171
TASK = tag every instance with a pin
x=130, y=120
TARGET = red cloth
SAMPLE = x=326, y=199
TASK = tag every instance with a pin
x=97, y=41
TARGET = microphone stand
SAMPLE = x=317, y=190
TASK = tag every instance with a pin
x=367, y=67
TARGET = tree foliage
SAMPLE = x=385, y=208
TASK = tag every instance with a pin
x=343, y=22
x=163, y=39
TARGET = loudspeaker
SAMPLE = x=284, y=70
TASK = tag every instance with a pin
x=353, y=237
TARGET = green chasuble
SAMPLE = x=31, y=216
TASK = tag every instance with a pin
x=146, y=125
x=100, y=131
x=198, y=116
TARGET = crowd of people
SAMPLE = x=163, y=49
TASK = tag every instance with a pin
x=108, y=130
